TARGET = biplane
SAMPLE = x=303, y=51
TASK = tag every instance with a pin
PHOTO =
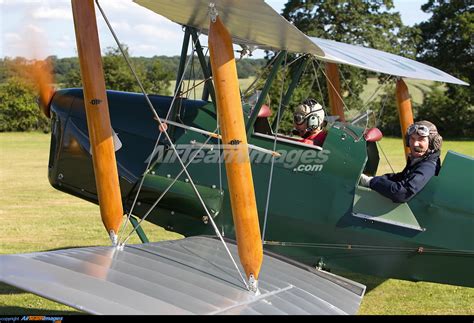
x=263, y=216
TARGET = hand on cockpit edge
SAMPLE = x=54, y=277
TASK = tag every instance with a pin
x=365, y=180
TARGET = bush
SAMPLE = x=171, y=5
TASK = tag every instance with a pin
x=18, y=108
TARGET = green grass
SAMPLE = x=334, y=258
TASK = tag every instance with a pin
x=36, y=217
x=416, y=88
x=399, y=297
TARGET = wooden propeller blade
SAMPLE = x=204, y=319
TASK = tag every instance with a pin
x=42, y=75
x=98, y=118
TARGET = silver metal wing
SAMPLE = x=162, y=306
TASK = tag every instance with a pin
x=250, y=22
x=379, y=61
x=189, y=276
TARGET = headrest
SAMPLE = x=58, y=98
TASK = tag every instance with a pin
x=373, y=134
x=265, y=111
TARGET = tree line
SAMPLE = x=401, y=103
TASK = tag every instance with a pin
x=18, y=107
x=443, y=41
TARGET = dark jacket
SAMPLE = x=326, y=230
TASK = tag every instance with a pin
x=401, y=187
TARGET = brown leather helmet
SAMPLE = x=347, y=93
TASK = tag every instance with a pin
x=425, y=128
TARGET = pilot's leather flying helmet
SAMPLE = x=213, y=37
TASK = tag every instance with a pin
x=425, y=129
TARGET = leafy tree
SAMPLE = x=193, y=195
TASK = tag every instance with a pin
x=18, y=108
x=13, y=67
x=18, y=94
x=158, y=70
x=367, y=23
x=66, y=71
x=72, y=78
x=446, y=43
x=158, y=78
x=370, y=23
x=118, y=76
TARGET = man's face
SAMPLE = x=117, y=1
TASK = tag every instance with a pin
x=418, y=145
x=300, y=127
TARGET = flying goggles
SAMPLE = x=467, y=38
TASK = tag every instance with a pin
x=300, y=118
x=421, y=130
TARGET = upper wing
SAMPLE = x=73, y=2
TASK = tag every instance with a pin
x=381, y=62
x=254, y=23
x=250, y=22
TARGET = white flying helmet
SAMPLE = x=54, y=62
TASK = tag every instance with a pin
x=309, y=112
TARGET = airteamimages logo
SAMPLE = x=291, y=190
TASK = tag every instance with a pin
x=298, y=160
x=40, y=318
x=308, y=168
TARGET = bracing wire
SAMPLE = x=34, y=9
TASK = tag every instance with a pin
x=313, y=79
x=153, y=111
x=192, y=157
x=347, y=83
x=251, y=86
x=320, y=91
x=368, y=247
x=377, y=121
x=332, y=85
x=382, y=108
x=267, y=203
x=219, y=140
x=372, y=97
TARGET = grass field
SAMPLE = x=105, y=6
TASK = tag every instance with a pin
x=35, y=217
x=416, y=88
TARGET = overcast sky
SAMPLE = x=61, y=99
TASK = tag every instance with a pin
x=38, y=28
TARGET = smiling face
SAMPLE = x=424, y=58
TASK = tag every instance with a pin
x=418, y=145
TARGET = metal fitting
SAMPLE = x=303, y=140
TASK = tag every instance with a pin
x=213, y=12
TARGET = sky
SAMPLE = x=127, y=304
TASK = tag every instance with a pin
x=39, y=28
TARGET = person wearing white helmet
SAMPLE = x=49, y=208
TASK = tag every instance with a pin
x=423, y=163
x=308, y=122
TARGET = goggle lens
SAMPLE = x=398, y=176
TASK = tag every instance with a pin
x=421, y=130
x=298, y=118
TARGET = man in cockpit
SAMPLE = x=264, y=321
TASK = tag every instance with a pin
x=423, y=162
x=308, y=123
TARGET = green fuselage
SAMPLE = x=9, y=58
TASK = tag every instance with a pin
x=308, y=215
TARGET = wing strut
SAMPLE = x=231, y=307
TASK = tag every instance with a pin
x=98, y=118
x=239, y=172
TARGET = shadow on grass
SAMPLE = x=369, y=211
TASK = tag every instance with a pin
x=15, y=310
x=10, y=290
x=6, y=290
x=370, y=282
